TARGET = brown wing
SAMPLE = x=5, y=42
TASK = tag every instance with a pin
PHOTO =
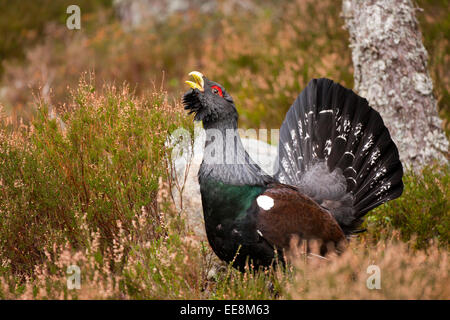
x=293, y=213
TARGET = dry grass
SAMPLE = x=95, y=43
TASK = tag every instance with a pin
x=177, y=269
x=404, y=273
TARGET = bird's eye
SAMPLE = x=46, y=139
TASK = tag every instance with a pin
x=217, y=90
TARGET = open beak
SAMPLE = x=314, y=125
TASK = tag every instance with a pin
x=198, y=81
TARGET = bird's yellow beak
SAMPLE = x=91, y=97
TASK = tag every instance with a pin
x=198, y=78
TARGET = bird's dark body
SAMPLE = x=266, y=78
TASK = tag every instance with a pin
x=230, y=222
x=237, y=229
x=336, y=162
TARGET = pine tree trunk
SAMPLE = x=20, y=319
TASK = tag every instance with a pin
x=390, y=64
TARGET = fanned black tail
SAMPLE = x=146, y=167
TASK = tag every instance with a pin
x=337, y=150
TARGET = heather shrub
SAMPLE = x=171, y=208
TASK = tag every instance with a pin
x=404, y=273
x=421, y=215
x=173, y=268
x=100, y=164
x=156, y=52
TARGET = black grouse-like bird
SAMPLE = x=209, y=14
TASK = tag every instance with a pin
x=336, y=160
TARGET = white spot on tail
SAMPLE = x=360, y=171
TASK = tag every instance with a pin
x=260, y=233
x=350, y=153
x=353, y=179
x=265, y=202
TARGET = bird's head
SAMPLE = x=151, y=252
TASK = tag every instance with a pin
x=209, y=101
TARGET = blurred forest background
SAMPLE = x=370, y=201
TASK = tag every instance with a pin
x=94, y=189
x=262, y=51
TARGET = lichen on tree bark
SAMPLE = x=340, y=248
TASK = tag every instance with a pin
x=391, y=72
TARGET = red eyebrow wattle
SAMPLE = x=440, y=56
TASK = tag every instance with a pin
x=218, y=89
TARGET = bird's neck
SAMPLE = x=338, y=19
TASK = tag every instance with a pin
x=223, y=144
x=225, y=158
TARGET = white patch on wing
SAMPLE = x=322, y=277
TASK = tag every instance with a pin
x=259, y=232
x=265, y=202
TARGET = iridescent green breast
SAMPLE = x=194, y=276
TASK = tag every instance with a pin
x=226, y=202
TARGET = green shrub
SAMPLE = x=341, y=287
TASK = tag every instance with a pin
x=421, y=214
x=105, y=166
